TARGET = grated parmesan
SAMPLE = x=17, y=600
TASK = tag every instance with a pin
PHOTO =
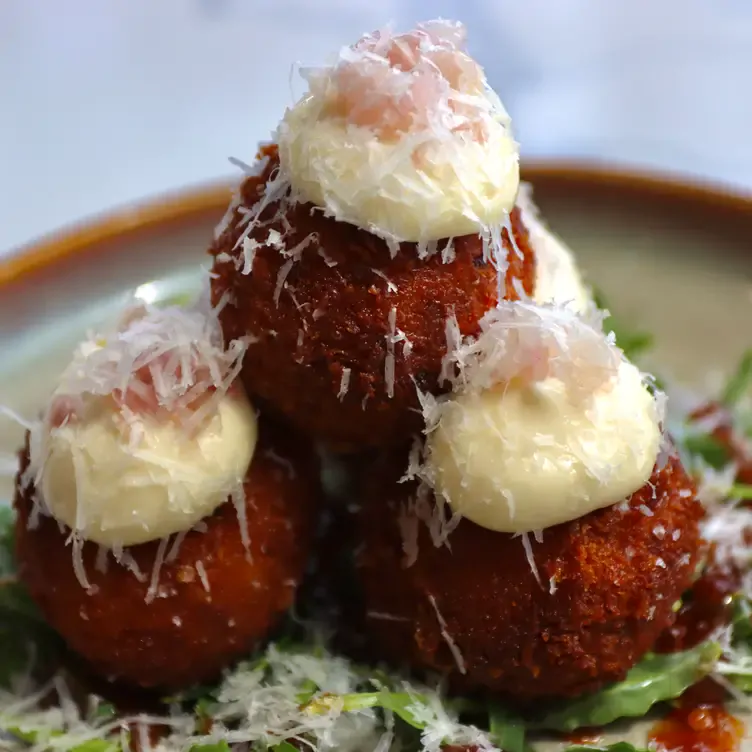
x=454, y=649
x=390, y=286
x=153, y=589
x=529, y=556
x=283, y=462
x=202, y=576
x=344, y=383
x=328, y=260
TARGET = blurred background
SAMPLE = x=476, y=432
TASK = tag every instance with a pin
x=103, y=102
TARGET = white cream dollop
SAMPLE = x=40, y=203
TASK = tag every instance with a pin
x=557, y=277
x=119, y=487
x=450, y=165
x=527, y=457
x=377, y=185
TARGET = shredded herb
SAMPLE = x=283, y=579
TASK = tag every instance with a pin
x=507, y=730
x=740, y=383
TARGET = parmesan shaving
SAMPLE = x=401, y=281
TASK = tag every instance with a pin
x=344, y=383
x=521, y=340
x=390, y=286
x=237, y=497
x=381, y=616
x=275, y=189
x=172, y=554
x=530, y=558
x=124, y=559
x=453, y=648
x=202, y=576
x=447, y=252
x=327, y=259
x=433, y=512
x=250, y=246
x=283, y=462
x=153, y=589
x=284, y=270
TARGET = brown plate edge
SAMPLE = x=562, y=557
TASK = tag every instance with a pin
x=213, y=198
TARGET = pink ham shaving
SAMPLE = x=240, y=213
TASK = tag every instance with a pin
x=525, y=343
x=419, y=81
x=169, y=364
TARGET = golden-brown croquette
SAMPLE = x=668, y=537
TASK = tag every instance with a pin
x=603, y=592
x=323, y=334
x=207, y=605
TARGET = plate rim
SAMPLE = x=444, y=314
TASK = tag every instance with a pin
x=183, y=204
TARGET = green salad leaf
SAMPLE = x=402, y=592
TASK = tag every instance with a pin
x=632, y=341
x=56, y=738
x=223, y=746
x=741, y=622
x=740, y=382
x=654, y=679
x=402, y=704
x=705, y=446
x=507, y=730
x=741, y=491
x=7, y=559
x=737, y=666
x=97, y=745
x=178, y=300
x=616, y=747
x=281, y=747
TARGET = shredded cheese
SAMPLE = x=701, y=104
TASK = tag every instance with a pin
x=529, y=556
x=522, y=339
x=453, y=648
x=159, y=558
x=344, y=383
x=203, y=577
x=390, y=286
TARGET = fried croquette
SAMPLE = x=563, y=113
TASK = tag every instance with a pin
x=327, y=318
x=577, y=614
x=209, y=603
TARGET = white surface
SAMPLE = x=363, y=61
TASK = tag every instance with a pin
x=106, y=101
